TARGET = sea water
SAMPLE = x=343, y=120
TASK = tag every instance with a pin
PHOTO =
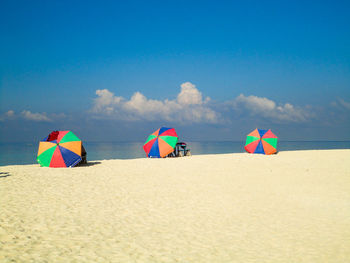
x=25, y=153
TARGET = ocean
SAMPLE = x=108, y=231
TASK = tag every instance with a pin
x=25, y=153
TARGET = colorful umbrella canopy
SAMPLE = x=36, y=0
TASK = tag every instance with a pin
x=261, y=141
x=161, y=142
x=60, y=149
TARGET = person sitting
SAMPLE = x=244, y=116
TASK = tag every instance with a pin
x=83, y=155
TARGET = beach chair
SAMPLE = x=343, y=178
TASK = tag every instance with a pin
x=180, y=150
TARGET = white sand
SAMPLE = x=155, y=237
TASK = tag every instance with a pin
x=289, y=207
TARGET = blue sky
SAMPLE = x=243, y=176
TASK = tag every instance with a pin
x=214, y=70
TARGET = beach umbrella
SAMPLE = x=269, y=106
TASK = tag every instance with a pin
x=261, y=141
x=60, y=149
x=161, y=142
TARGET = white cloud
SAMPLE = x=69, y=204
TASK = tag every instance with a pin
x=10, y=114
x=35, y=116
x=28, y=115
x=264, y=107
x=342, y=104
x=55, y=116
x=189, y=95
x=104, y=99
x=187, y=107
x=7, y=115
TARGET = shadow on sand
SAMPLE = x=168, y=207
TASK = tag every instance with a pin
x=5, y=174
x=88, y=164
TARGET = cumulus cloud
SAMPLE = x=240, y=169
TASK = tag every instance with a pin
x=189, y=95
x=341, y=104
x=28, y=115
x=10, y=114
x=264, y=107
x=189, y=106
x=105, y=101
x=35, y=116
x=7, y=115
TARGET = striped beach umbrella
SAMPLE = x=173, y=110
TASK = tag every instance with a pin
x=161, y=142
x=60, y=149
x=261, y=141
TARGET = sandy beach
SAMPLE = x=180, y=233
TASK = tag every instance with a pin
x=288, y=207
